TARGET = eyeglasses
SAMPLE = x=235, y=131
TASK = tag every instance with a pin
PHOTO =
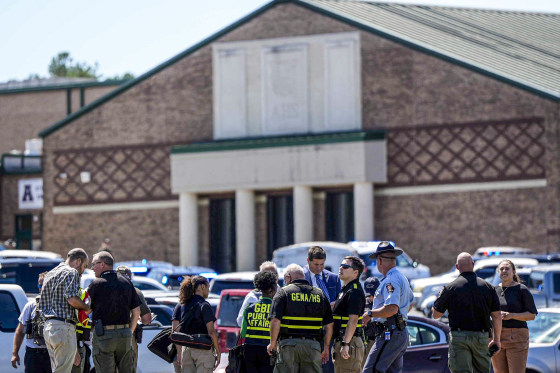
x=346, y=266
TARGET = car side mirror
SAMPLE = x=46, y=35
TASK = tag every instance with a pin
x=415, y=263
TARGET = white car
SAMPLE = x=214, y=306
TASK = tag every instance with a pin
x=489, y=251
x=141, y=282
x=405, y=264
x=35, y=254
x=297, y=254
x=544, y=342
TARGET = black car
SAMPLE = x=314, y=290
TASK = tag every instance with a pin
x=429, y=345
x=25, y=272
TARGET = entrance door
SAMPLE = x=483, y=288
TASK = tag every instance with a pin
x=222, y=235
x=340, y=216
x=280, y=222
x=24, y=231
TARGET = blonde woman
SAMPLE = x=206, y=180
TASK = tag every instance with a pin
x=517, y=307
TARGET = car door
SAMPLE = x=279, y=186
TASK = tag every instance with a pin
x=427, y=351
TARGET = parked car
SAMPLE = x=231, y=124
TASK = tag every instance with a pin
x=226, y=317
x=232, y=280
x=141, y=282
x=25, y=254
x=544, y=282
x=297, y=253
x=143, y=267
x=489, y=251
x=25, y=271
x=426, y=353
x=544, y=342
x=172, y=277
x=12, y=301
x=406, y=265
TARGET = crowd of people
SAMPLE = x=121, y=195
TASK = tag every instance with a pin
x=318, y=321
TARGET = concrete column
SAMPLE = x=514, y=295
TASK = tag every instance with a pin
x=188, y=229
x=303, y=214
x=245, y=230
x=363, y=212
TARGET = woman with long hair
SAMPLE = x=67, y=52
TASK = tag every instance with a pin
x=194, y=291
x=517, y=307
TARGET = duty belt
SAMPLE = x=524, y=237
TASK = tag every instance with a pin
x=113, y=327
x=62, y=319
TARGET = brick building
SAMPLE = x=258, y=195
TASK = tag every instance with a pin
x=25, y=109
x=311, y=120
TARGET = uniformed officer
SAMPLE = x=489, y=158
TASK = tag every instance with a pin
x=112, y=299
x=390, y=312
x=471, y=302
x=298, y=315
x=348, y=351
x=255, y=326
x=370, y=286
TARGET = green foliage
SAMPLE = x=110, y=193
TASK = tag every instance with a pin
x=125, y=76
x=63, y=65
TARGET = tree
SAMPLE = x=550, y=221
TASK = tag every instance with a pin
x=125, y=76
x=62, y=65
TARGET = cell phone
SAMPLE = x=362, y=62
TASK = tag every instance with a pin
x=99, y=328
x=492, y=350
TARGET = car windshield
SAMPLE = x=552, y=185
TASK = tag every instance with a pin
x=536, y=280
x=545, y=328
x=229, y=308
x=218, y=286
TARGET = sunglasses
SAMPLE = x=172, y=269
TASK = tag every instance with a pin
x=346, y=266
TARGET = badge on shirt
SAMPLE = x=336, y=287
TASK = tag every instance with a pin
x=390, y=288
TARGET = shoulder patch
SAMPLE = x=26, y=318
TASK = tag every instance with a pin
x=390, y=288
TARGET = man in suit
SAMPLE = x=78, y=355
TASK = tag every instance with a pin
x=325, y=280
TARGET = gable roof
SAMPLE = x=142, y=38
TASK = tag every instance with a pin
x=519, y=48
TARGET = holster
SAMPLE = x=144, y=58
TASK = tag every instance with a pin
x=99, y=328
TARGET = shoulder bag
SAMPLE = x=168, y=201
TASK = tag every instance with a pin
x=200, y=341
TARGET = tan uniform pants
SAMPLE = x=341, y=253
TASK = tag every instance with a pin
x=354, y=363
x=512, y=358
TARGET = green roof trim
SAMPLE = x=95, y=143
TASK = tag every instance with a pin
x=60, y=87
x=279, y=141
x=131, y=83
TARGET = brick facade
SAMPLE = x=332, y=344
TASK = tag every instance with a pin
x=401, y=87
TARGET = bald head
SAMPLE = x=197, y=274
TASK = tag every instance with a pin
x=465, y=263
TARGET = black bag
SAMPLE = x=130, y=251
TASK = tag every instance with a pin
x=162, y=346
x=200, y=341
x=236, y=359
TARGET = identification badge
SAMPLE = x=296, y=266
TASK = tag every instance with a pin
x=387, y=336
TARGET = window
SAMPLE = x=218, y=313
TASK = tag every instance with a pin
x=229, y=308
x=222, y=234
x=280, y=222
x=9, y=312
x=422, y=335
x=340, y=216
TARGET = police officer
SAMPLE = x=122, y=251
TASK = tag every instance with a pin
x=370, y=286
x=255, y=326
x=298, y=315
x=145, y=312
x=390, y=312
x=470, y=301
x=112, y=299
x=349, y=348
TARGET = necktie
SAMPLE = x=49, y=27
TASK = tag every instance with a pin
x=322, y=286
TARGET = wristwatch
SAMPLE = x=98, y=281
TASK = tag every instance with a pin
x=369, y=313
x=343, y=343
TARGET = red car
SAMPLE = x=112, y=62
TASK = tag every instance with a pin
x=226, y=315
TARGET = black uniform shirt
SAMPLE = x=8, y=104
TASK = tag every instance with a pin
x=202, y=315
x=350, y=301
x=516, y=299
x=112, y=298
x=470, y=300
x=280, y=301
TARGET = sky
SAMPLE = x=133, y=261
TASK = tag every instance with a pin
x=137, y=35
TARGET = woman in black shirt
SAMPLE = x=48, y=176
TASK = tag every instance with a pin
x=517, y=307
x=194, y=291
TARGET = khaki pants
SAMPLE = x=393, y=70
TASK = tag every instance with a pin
x=512, y=358
x=195, y=360
x=60, y=338
x=113, y=350
x=354, y=363
x=298, y=355
x=468, y=352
